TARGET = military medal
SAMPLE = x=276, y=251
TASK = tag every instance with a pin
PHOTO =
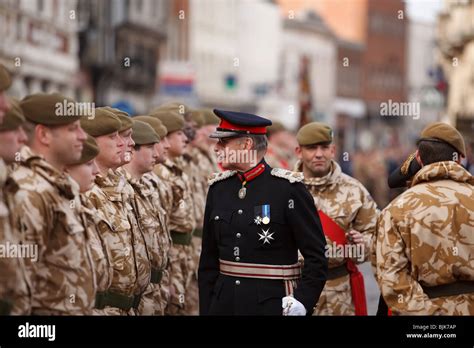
x=243, y=191
x=266, y=236
x=266, y=214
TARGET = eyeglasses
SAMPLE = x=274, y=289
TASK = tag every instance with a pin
x=224, y=141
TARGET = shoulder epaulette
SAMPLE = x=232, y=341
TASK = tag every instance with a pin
x=288, y=175
x=215, y=177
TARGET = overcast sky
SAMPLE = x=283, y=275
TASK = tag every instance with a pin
x=424, y=10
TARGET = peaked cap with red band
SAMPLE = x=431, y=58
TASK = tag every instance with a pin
x=239, y=123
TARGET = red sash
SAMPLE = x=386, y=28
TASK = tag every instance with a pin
x=337, y=234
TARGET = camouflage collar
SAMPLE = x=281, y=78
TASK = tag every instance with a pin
x=447, y=170
x=173, y=166
x=331, y=178
x=63, y=182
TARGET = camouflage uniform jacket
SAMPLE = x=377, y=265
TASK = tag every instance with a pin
x=47, y=212
x=109, y=196
x=349, y=204
x=425, y=238
x=181, y=210
x=100, y=251
x=15, y=296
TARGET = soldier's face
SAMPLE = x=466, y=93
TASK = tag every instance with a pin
x=4, y=106
x=144, y=158
x=160, y=151
x=67, y=142
x=111, y=148
x=177, y=143
x=84, y=174
x=128, y=146
x=316, y=158
x=11, y=143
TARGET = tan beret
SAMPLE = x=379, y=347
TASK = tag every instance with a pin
x=90, y=150
x=172, y=120
x=155, y=123
x=144, y=134
x=314, y=133
x=210, y=117
x=126, y=121
x=5, y=78
x=52, y=109
x=115, y=111
x=197, y=117
x=176, y=107
x=124, y=117
x=14, y=118
x=445, y=133
x=276, y=127
x=103, y=123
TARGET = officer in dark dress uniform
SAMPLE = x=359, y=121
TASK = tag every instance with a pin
x=256, y=220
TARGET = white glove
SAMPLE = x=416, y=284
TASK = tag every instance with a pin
x=291, y=306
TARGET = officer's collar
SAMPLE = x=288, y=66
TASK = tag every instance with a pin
x=251, y=174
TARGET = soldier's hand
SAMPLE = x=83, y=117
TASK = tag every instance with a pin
x=355, y=237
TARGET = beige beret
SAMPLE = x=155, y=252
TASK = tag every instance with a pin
x=104, y=123
x=314, y=133
x=52, y=109
x=14, y=118
x=5, y=78
x=446, y=133
x=155, y=123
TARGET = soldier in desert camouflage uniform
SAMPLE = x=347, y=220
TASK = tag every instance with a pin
x=142, y=254
x=181, y=210
x=344, y=200
x=192, y=163
x=84, y=173
x=143, y=160
x=159, y=197
x=108, y=197
x=47, y=210
x=424, y=243
x=15, y=297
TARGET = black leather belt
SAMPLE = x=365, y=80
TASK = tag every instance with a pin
x=5, y=307
x=181, y=238
x=452, y=289
x=113, y=299
x=337, y=272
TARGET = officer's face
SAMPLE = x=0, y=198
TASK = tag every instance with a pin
x=66, y=142
x=4, y=106
x=84, y=174
x=144, y=158
x=232, y=152
x=111, y=148
x=11, y=143
x=128, y=146
x=316, y=158
x=177, y=141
